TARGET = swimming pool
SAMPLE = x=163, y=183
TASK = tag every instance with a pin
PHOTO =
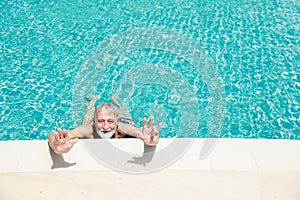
x=190, y=64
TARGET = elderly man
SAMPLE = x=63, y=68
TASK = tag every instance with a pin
x=105, y=125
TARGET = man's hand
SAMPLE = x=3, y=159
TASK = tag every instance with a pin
x=150, y=135
x=61, y=142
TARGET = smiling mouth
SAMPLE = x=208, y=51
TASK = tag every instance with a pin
x=105, y=131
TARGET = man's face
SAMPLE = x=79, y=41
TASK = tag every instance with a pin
x=106, y=121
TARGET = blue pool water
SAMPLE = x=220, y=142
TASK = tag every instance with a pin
x=204, y=68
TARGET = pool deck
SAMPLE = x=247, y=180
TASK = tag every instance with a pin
x=231, y=169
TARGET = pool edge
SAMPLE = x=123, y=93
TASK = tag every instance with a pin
x=228, y=154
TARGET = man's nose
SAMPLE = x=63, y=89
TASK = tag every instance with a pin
x=106, y=126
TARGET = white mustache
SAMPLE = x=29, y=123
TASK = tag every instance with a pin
x=106, y=134
x=103, y=130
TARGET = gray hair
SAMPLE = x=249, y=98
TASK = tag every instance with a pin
x=106, y=107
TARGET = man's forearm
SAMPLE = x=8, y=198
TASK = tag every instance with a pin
x=84, y=131
x=129, y=129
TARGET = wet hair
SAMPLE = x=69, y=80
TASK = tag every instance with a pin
x=106, y=107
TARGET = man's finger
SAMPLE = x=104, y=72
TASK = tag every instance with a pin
x=52, y=138
x=56, y=136
x=64, y=133
x=150, y=121
x=73, y=141
x=152, y=139
x=144, y=122
x=70, y=143
x=158, y=126
x=61, y=133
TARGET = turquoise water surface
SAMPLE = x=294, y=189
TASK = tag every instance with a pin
x=204, y=68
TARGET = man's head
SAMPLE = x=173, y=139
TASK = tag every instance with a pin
x=105, y=120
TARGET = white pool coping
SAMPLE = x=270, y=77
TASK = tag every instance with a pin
x=254, y=155
x=214, y=169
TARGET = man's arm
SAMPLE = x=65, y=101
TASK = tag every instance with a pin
x=84, y=131
x=148, y=133
x=128, y=129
